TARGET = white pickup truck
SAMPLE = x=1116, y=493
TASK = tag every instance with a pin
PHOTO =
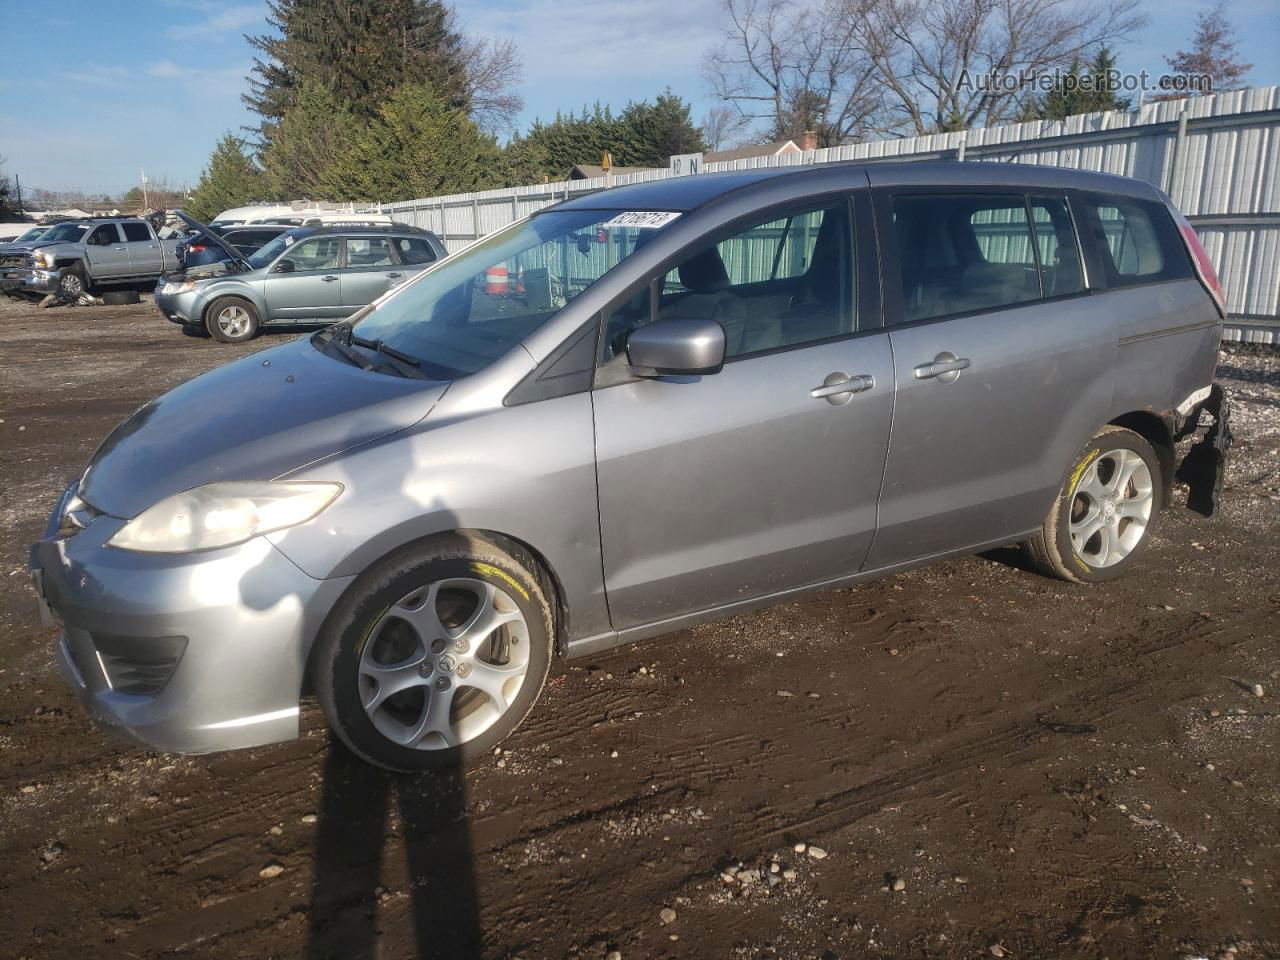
x=110, y=250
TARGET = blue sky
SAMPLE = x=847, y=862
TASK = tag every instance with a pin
x=97, y=90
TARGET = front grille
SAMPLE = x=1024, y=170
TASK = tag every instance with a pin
x=140, y=666
x=12, y=261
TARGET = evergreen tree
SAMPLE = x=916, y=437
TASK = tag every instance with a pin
x=311, y=152
x=231, y=179
x=651, y=133
x=361, y=50
x=1083, y=90
x=1213, y=53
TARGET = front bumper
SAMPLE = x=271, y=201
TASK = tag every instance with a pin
x=224, y=635
x=185, y=307
x=28, y=280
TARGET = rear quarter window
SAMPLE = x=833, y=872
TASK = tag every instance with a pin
x=1137, y=241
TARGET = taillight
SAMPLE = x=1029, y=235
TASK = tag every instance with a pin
x=1204, y=266
x=201, y=248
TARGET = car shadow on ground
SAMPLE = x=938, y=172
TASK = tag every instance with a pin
x=356, y=822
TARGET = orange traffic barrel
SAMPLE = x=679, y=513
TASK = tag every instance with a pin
x=495, y=280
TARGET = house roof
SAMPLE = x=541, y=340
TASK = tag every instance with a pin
x=588, y=171
x=751, y=150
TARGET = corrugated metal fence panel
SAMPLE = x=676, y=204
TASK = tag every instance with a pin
x=1226, y=165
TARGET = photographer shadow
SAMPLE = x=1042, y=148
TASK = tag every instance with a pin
x=352, y=836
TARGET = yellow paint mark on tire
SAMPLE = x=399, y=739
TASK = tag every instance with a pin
x=1075, y=482
x=501, y=575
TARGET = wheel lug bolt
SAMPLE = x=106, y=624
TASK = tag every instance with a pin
x=461, y=646
x=442, y=683
x=464, y=669
x=437, y=646
x=425, y=668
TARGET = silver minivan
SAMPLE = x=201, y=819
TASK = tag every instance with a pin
x=308, y=275
x=632, y=412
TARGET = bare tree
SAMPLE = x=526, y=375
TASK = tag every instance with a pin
x=935, y=56
x=722, y=127
x=794, y=67
x=493, y=69
x=1212, y=54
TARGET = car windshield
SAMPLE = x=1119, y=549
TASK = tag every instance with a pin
x=33, y=234
x=268, y=252
x=66, y=231
x=473, y=308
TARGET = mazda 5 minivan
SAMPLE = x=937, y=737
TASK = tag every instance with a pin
x=631, y=412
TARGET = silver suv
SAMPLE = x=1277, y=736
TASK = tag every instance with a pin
x=307, y=275
x=632, y=412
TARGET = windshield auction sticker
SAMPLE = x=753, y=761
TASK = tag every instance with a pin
x=642, y=219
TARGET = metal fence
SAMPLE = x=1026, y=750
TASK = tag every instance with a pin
x=1218, y=157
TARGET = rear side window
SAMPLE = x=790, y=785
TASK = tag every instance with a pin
x=1060, y=272
x=963, y=253
x=135, y=232
x=365, y=253
x=1138, y=241
x=414, y=250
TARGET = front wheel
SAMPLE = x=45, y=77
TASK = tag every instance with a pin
x=1105, y=511
x=436, y=654
x=232, y=320
x=71, y=283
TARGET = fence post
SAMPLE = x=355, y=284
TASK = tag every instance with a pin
x=475, y=217
x=1179, y=147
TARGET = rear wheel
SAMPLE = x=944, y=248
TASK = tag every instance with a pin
x=1104, y=513
x=232, y=320
x=436, y=654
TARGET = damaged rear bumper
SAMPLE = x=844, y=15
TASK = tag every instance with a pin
x=1204, y=468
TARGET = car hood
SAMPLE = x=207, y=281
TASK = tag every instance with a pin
x=253, y=419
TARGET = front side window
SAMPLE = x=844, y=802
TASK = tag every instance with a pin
x=105, y=235
x=368, y=253
x=135, y=232
x=471, y=310
x=320, y=253
x=1140, y=243
x=783, y=282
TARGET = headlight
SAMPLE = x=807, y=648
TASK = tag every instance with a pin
x=39, y=262
x=222, y=514
x=178, y=286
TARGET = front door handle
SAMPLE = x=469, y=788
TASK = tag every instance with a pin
x=839, y=388
x=945, y=368
x=394, y=276
x=329, y=279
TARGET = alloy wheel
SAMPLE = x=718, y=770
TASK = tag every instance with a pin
x=1111, y=507
x=233, y=321
x=443, y=664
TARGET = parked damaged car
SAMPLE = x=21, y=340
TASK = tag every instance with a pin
x=81, y=255
x=306, y=275
x=635, y=411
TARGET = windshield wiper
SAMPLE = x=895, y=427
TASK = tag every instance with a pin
x=403, y=363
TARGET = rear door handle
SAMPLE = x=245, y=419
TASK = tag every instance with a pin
x=329, y=279
x=394, y=276
x=945, y=368
x=839, y=388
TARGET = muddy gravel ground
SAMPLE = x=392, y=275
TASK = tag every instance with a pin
x=988, y=763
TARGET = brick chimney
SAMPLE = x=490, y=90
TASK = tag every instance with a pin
x=809, y=140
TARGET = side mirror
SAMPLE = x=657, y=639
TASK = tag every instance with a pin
x=284, y=266
x=678, y=347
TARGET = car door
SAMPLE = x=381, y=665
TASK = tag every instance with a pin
x=106, y=252
x=370, y=271
x=309, y=287
x=145, y=257
x=764, y=476
x=1003, y=363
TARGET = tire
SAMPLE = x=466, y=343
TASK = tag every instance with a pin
x=231, y=320
x=72, y=283
x=118, y=298
x=437, y=716
x=1095, y=532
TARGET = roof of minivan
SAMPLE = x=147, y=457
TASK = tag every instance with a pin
x=691, y=192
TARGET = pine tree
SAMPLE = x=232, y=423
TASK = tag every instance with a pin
x=311, y=151
x=1213, y=53
x=361, y=50
x=651, y=133
x=1083, y=90
x=231, y=179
